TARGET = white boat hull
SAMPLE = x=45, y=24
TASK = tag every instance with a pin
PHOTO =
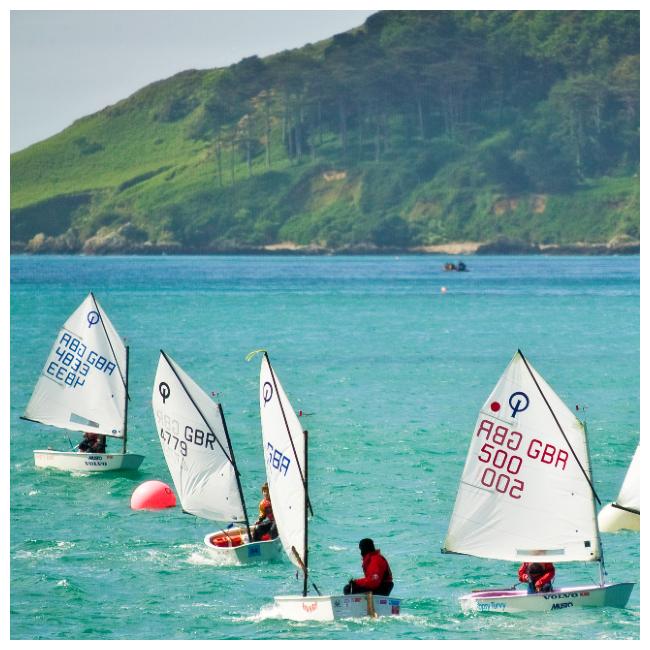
x=73, y=461
x=330, y=608
x=612, y=519
x=233, y=546
x=512, y=601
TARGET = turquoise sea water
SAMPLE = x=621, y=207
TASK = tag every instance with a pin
x=391, y=373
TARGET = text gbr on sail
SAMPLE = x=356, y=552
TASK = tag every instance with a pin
x=170, y=434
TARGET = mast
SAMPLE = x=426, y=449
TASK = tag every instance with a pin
x=304, y=584
x=234, y=464
x=125, y=376
x=587, y=475
x=126, y=400
x=601, y=561
x=110, y=344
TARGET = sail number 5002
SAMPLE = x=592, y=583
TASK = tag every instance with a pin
x=501, y=482
x=499, y=459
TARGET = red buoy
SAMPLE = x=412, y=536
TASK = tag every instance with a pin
x=152, y=495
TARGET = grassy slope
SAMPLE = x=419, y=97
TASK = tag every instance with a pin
x=131, y=144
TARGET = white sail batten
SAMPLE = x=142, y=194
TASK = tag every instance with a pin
x=629, y=496
x=82, y=386
x=284, y=462
x=195, y=445
x=523, y=495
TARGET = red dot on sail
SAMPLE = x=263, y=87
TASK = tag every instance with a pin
x=152, y=495
x=495, y=406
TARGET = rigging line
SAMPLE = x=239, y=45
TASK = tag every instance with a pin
x=539, y=388
x=306, y=520
x=239, y=488
x=125, y=425
x=187, y=392
x=108, y=338
x=286, y=424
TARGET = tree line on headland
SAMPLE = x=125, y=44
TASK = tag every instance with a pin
x=519, y=129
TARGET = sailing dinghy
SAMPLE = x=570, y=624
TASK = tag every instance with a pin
x=625, y=512
x=526, y=495
x=84, y=387
x=285, y=452
x=197, y=448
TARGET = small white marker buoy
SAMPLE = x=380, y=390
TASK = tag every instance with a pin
x=443, y=289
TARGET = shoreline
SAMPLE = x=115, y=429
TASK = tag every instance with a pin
x=469, y=248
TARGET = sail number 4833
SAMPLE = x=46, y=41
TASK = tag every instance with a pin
x=74, y=360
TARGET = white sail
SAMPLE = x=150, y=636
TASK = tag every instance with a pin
x=523, y=494
x=284, y=461
x=82, y=386
x=630, y=495
x=195, y=445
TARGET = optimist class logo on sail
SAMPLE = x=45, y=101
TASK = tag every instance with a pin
x=503, y=451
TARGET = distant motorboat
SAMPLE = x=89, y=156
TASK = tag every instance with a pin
x=450, y=266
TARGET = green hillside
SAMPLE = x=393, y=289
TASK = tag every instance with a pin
x=416, y=129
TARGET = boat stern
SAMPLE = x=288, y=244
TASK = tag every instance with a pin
x=329, y=608
x=232, y=544
x=299, y=608
x=71, y=461
x=512, y=601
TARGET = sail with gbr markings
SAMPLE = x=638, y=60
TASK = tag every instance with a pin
x=525, y=493
x=630, y=495
x=284, y=457
x=82, y=386
x=195, y=444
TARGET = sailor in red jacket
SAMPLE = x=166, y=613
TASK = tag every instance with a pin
x=377, y=575
x=537, y=575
